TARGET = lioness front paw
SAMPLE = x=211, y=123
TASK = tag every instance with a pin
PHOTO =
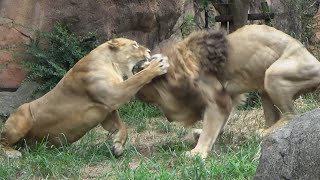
x=158, y=64
x=12, y=153
x=117, y=149
x=194, y=153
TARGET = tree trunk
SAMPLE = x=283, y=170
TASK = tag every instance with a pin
x=239, y=9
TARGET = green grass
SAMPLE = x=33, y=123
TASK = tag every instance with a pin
x=168, y=163
x=136, y=113
x=153, y=151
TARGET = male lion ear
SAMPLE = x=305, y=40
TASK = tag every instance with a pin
x=113, y=44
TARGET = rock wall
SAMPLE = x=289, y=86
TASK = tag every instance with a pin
x=291, y=15
x=150, y=22
x=147, y=21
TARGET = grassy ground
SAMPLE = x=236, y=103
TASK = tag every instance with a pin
x=155, y=150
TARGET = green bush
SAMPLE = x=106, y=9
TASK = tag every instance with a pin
x=253, y=101
x=188, y=25
x=52, y=54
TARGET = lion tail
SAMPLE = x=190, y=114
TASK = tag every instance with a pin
x=211, y=47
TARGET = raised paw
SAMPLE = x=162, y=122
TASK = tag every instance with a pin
x=158, y=64
x=117, y=149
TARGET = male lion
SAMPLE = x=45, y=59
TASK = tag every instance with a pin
x=89, y=94
x=208, y=73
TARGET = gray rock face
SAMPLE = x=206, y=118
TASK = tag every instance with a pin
x=292, y=151
x=9, y=101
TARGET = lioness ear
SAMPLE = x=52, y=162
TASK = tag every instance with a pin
x=113, y=44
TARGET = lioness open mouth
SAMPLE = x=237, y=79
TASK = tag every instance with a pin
x=138, y=67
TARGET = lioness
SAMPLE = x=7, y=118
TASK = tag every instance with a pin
x=89, y=94
x=208, y=73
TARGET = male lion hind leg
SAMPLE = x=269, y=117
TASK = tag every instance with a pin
x=113, y=124
x=285, y=79
x=15, y=128
x=271, y=112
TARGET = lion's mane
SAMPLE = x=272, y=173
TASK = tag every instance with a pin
x=201, y=52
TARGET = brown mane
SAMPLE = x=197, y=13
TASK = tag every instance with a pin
x=201, y=52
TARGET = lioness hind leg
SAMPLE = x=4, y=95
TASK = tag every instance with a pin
x=113, y=124
x=15, y=128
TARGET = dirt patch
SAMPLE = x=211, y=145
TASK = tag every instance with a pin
x=246, y=122
x=242, y=125
x=95, y=171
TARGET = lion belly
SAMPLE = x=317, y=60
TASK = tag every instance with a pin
x=186, y=109
x=187, y=116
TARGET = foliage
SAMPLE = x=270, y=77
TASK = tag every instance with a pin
x=188, y=25
x=136, y=112
x=299, y=16
x=191, y=24
x=253, y=101
x=52, y=54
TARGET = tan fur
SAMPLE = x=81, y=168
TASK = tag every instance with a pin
x=259, y=58
x=89, y=94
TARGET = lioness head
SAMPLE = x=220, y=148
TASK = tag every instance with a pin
x=127, y=53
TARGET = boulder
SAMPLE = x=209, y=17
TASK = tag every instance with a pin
x=9, y=101
x=292, y=151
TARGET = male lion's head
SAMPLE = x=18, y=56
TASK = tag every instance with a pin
x=127, y=53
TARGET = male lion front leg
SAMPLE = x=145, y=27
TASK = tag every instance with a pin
x=113, y=124
x=218, y=109
x=214, y=120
